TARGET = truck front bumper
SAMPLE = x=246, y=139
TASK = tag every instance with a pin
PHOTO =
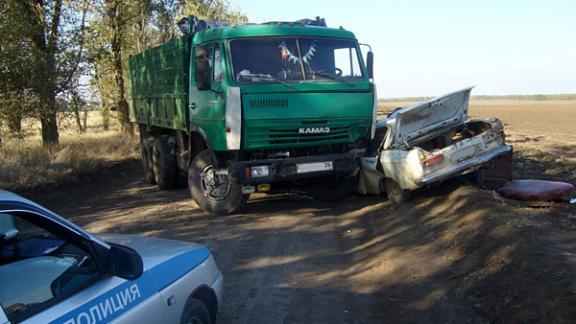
x=297, y=168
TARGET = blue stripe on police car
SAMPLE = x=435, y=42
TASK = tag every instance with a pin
x=114, y=303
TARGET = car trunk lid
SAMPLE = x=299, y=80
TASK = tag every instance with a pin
x=431, y=116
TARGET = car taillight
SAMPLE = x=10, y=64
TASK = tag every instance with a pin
x=433, y=160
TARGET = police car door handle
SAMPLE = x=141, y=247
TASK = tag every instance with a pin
x=193, y=105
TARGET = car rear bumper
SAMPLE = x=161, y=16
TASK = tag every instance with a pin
x=288, y=168
x=465, y=166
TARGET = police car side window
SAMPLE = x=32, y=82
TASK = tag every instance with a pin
x=39, y=267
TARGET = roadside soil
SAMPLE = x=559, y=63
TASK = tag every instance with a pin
x=453, y=254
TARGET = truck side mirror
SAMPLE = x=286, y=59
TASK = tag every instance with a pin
x=203, y=73
x=370, y=64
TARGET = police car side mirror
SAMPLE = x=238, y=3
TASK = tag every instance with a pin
x=124, y=262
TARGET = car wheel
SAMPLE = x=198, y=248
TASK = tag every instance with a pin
x=164, y=164
x=214, y=193
x=146, y=157
x=195, y=312
x=395, y=193
x=333, y=189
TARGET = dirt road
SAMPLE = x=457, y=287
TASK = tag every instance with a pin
x=453, y=255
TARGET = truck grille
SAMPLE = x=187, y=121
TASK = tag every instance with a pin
x=285, y=133
x=268, y=103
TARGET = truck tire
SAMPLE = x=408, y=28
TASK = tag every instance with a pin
x=146, y=157
x=396, y=194
x=216, y=194
x=164, y=164
x=334, y=189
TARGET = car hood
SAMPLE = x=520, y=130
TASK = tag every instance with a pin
x=155, y=251
x=413, y=122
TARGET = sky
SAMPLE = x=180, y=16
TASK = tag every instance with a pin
x=428, y=48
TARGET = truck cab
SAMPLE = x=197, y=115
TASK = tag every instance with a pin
x=265, y=103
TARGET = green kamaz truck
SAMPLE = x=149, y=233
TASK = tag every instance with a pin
x=230, y=110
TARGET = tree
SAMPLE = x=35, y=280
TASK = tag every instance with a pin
x=42, y=52
x=44, y=27
x=118, y=16
x=122, y=28
x=16, y=98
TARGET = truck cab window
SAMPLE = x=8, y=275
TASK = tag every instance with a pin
x=214, y=56
x=295, y=59
x=218, y=69
x=266, y=60
x=330, y=59
x=38, y=267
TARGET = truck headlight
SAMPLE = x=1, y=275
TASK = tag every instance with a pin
x=260, y=171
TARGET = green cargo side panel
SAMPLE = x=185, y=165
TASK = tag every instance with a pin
x=159, y=85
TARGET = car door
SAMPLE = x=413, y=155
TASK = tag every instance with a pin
x=206, y=107
x=50, y=273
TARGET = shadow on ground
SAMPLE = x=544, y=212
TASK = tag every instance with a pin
x=453, y=255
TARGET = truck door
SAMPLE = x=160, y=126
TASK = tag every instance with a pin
x=206, y=106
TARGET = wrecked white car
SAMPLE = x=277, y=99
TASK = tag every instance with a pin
x=433, y=141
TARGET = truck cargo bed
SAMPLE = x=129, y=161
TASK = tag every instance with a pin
x=159, y=78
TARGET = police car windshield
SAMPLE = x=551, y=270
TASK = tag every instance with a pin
x=280, y=59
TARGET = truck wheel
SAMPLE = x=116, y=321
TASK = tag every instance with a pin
x=396, y=194
x=213, y=193
x=333, y=189
x=195, y=312
x=164, y=164
x=146, y=157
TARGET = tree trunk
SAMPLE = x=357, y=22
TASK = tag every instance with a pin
x=49, y=125
x=118, y=29
x=121, y=103
x=76, y=103
x=48, y=114
x=45, y=65
x=85, y=119
x=105, y=113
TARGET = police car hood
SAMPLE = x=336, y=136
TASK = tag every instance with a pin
x=155, y=251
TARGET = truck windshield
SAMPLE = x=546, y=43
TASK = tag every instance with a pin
x=269, y=60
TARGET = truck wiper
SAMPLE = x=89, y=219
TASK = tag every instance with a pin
x=333, y=77
x=268, y=78
x=287, y=84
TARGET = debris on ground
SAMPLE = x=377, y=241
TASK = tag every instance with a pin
x=537, y=190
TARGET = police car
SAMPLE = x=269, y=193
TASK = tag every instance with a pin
x=51, y=271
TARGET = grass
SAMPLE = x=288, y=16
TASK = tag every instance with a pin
x=25, y=163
